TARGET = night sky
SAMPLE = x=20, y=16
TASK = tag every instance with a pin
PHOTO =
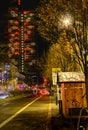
x=25, y=4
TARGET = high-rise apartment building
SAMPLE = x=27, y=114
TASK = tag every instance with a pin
x=21, y=42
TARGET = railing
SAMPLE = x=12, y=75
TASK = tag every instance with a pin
x=78, y=124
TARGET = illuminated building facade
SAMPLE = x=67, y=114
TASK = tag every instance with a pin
x=21, y=37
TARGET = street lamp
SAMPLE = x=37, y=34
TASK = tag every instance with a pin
x=67, y=21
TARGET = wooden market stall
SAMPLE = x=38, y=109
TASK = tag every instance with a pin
x=73, y=93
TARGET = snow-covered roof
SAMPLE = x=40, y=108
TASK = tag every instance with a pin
x=71, y=77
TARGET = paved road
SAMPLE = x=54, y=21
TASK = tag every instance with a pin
x=27, y=113
x=39, y=113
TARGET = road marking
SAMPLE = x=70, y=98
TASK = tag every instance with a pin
x=13, y=116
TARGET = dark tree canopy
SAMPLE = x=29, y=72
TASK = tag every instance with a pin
x=49, y=17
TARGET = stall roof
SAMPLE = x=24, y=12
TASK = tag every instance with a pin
x=71, y=77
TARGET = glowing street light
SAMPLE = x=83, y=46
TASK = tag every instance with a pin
x=67, y=22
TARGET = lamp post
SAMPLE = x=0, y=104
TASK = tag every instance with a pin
x=55, y=79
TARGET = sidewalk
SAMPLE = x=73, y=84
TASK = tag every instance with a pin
x=58, y=122
x=54, y=107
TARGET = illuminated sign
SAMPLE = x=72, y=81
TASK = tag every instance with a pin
x=56, y=69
